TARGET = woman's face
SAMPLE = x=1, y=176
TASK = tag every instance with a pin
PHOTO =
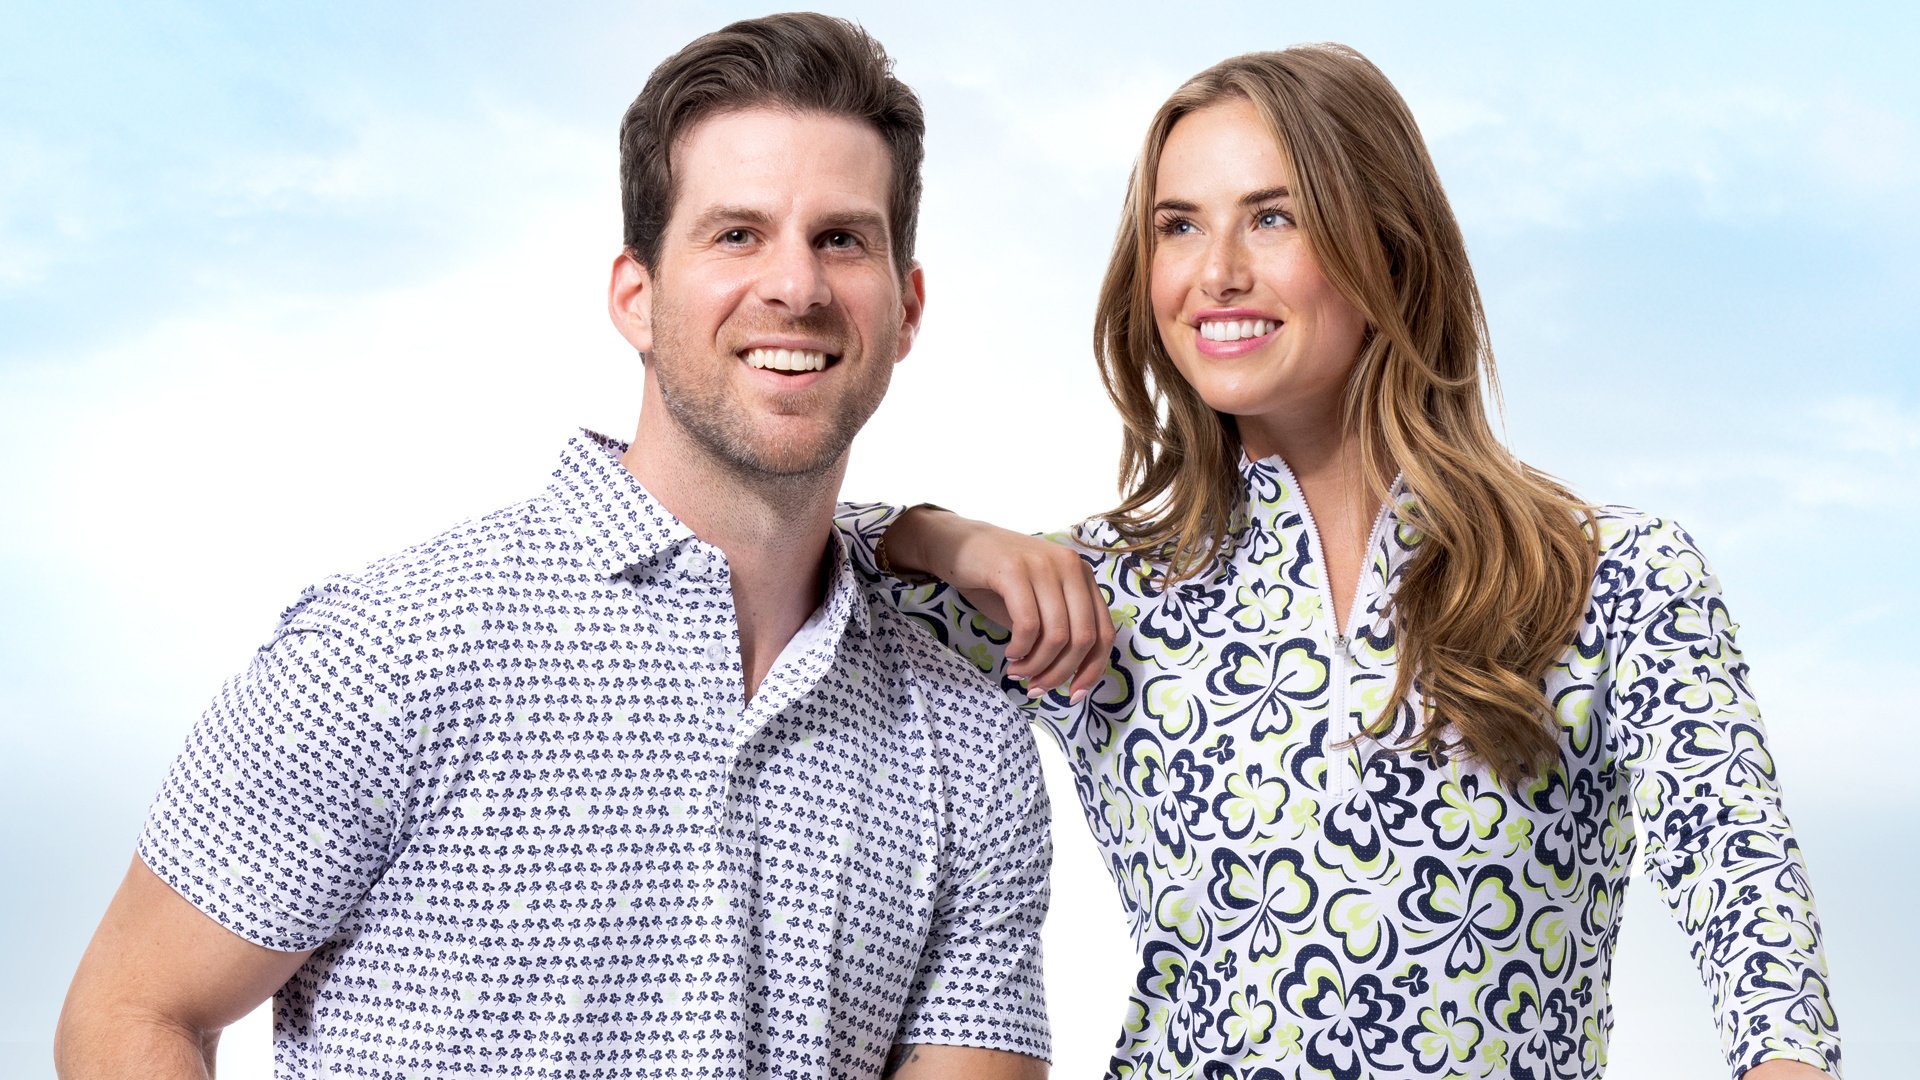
x=1241, y=305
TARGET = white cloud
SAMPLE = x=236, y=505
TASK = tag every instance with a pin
x=447, y=162
x=1874, y=426
x=47, y=203
x=1573, y=153
x=1845, y=453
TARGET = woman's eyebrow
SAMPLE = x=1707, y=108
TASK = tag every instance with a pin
x=1251, y=198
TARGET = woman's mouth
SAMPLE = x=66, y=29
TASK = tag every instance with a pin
x=1228, y=338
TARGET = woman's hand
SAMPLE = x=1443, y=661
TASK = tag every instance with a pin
x=1043, y=592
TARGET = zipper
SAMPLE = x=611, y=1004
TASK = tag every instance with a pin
x=1343, y=771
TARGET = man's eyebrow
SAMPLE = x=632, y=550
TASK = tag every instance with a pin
x=856, y=219
x=716, y=215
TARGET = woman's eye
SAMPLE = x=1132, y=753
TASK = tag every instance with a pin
x=1272, y=219
x=1174, y=226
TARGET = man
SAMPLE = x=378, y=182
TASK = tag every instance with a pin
x=634, y=778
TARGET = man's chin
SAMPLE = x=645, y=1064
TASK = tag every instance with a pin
x=787, y=459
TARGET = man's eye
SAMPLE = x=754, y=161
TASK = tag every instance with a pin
x=735, y=236
x=842, y=241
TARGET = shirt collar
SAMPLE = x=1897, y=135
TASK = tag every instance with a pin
x=623, y=525
x=845, y=590
x=620, y=522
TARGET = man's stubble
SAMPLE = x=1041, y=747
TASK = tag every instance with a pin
x=702, y=399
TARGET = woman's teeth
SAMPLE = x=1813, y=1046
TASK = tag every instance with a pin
x=1236, y=329
x=787, y=359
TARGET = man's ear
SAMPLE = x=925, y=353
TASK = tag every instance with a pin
x=630, y=301
x=913, y=304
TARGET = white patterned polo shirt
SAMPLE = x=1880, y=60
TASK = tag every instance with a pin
x=505, y=786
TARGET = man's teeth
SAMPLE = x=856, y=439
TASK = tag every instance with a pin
x=787, y=359
x=1236, y=329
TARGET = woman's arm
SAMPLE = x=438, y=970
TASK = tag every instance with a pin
x=1050, y=627
x=1718, y=844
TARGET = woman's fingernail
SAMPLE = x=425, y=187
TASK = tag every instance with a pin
x=1078, y=697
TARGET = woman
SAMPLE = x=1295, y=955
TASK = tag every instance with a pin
x=1381, y=702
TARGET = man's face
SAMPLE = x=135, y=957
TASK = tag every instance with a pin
x=775, y=315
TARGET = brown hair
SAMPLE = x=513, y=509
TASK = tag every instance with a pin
x=800, y=61
x=1497, y=585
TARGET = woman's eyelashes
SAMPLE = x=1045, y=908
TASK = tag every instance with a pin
x=1267, y=217
x=1173, y=225
x=1271, y=217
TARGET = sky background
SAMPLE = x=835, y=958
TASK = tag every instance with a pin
x=286, y=288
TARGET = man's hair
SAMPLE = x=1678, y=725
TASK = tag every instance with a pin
x=799, y=61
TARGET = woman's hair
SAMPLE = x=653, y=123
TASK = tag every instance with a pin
x=1497, y=584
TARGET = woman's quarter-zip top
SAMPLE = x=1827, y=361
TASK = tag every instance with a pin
x=1342, y=750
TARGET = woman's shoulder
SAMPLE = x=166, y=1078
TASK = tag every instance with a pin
x=1627, y=532
x=1095, y=536
x=1645, y=561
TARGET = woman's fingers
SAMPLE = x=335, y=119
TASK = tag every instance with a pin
x=1049, y=661
x=1060, y=633
x=1020, y=614
x=1094, y=660
x=1070, y=651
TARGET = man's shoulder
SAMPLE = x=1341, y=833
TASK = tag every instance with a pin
x=955, y=691
x=522, y=549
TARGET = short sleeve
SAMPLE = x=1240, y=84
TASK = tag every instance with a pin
x=1719, y=846
x=282, y=809
x=979, y=981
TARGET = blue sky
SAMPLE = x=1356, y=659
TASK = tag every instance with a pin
x=282, y=289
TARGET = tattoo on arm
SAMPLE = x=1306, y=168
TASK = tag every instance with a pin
x=901, y=1055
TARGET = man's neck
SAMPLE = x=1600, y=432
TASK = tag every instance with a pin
x=774, y=534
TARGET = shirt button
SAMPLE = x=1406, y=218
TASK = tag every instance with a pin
x=717, y=653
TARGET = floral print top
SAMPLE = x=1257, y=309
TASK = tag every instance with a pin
x=1308, y=904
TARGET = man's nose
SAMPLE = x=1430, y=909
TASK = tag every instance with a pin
x=793, y=278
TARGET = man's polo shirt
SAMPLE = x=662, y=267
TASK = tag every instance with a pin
x=505, y=786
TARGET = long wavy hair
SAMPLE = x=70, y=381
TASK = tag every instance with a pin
x=1497, y=584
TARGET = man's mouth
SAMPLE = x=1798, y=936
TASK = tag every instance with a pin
x=787, y=359
x=1237, y=329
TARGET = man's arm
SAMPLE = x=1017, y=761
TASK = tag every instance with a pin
x=979, y=984
x=915, y=1061
x=158, y=982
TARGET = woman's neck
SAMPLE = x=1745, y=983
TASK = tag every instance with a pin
x=1326, y=461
